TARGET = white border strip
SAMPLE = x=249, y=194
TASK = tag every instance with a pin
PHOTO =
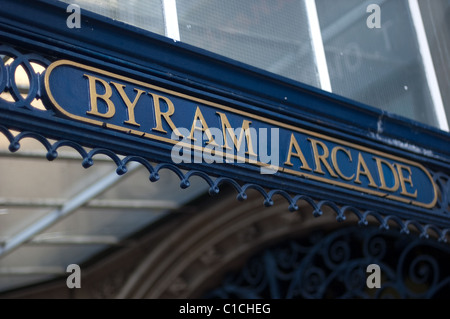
x=317, y=43
x=172, y=29
x=428, y=65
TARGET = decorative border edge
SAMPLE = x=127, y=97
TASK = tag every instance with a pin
x=214, y=185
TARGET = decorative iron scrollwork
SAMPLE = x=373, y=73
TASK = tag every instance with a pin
x=9, y=65
x=334, y=266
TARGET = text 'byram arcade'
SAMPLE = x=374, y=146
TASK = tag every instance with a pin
x=207, y=129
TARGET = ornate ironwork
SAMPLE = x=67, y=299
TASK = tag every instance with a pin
x=334, y=266
x=25, y=60
x=214, y=185
x=9, y=66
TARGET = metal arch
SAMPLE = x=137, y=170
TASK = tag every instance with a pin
x=334, y=266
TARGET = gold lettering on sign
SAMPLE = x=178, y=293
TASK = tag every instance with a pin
x=94, y=96
x=116, y=102
x=335, y=162
x=365, y=171
x=383, y=185
x=166, y=115
x=404, y=180
x=130, y=105
x=198, y=118
x=298, y=153
x=322, y=158
x=245, y=129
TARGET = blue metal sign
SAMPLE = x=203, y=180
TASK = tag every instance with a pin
x=205, y=131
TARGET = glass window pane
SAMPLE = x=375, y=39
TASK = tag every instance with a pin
x=436, y=19
x=271, y=35
x=381, y=67
x=145, y=14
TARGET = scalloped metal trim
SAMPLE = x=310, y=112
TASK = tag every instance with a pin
x=341, y=212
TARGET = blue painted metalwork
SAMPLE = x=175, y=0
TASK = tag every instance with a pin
x=334, y=266
x=36, y=31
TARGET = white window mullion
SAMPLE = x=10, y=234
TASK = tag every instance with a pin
x=172, y=29
x=317, y=44
x=428, y=65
